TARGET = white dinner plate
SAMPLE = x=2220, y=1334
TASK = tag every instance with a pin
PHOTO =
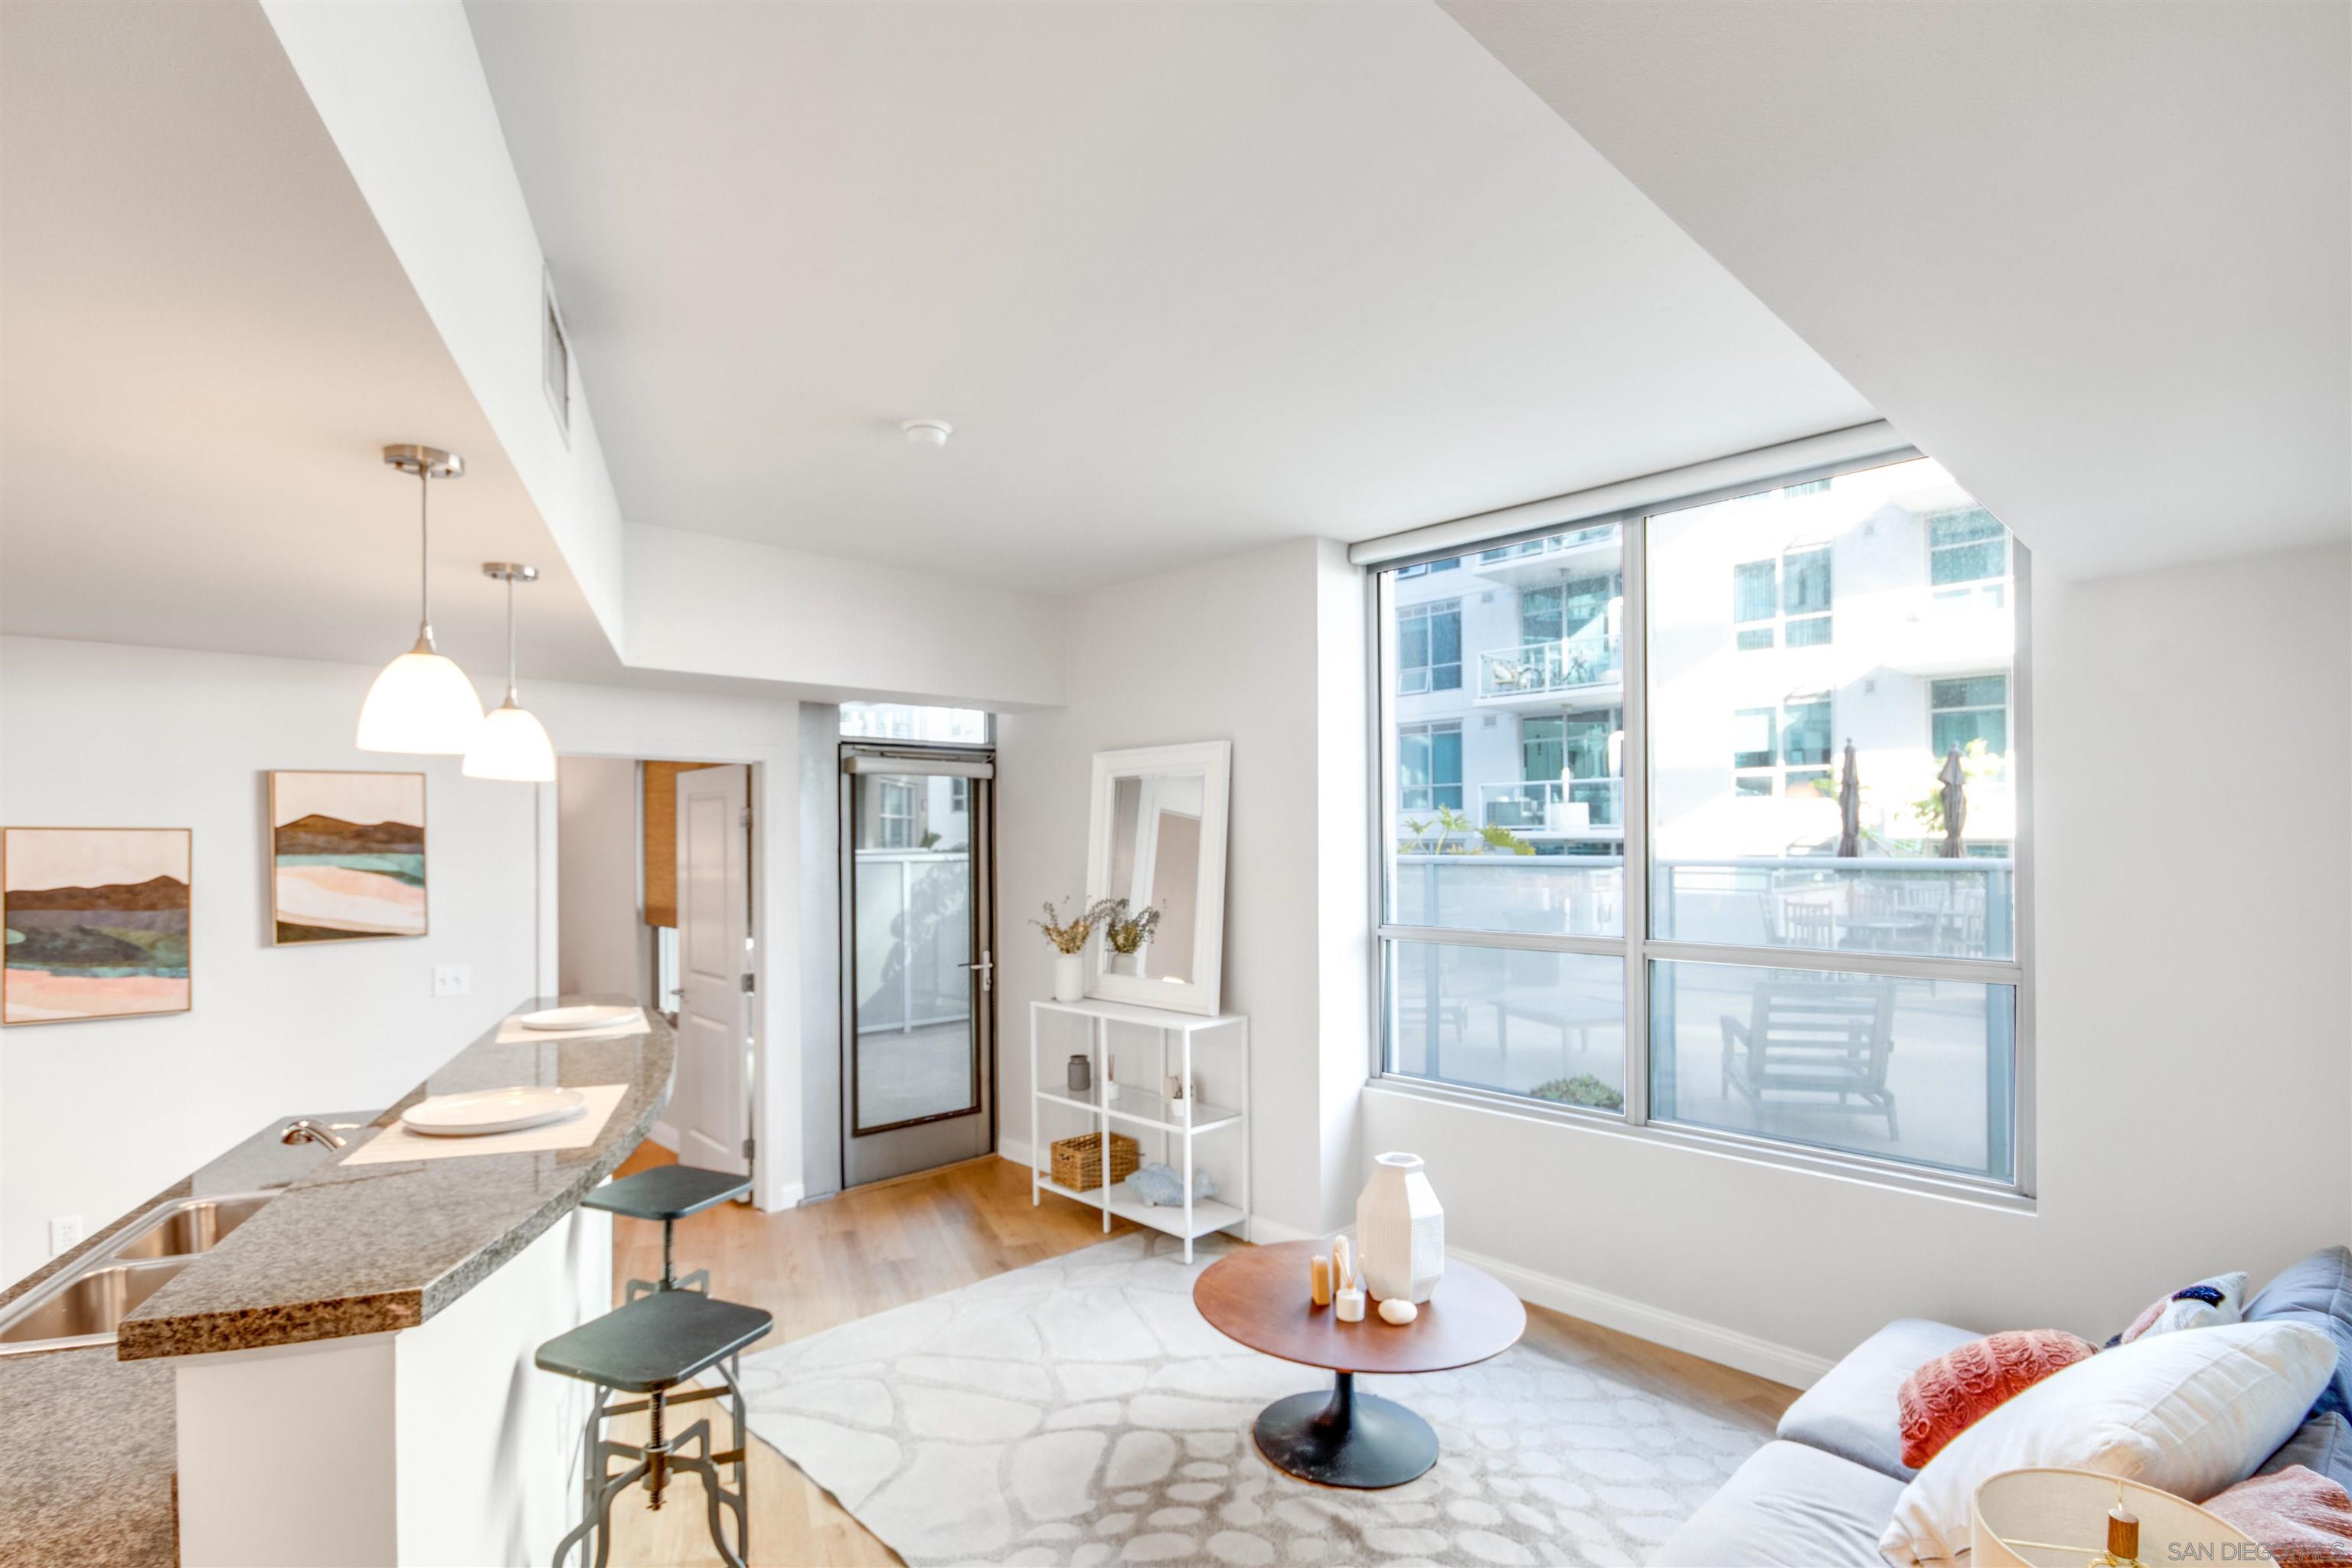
x=597, y=1015
x=481, y=1111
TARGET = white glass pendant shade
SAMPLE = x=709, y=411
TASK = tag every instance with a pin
x=510, y=744
x=421, y=703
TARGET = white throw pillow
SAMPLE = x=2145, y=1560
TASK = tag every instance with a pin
x=2180, y=1310
x=2190, y=1413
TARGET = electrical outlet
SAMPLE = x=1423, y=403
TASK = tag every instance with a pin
x=65, y=1233
x=452, y=979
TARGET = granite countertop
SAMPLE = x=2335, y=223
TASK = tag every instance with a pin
x=106, y=1428
x=360, y=1250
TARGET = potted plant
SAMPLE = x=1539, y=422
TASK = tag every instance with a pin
x=1127, y=930
x=1069, y=938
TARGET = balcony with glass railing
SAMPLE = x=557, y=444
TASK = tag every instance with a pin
x=1572, y=808
x=1537, y=562
x=1590, y=667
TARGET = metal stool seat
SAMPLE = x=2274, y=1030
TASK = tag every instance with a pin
x=668, y=1194
x=649, y=1347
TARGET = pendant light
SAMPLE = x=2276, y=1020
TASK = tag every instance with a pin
x=510, y=743
x=422, y=702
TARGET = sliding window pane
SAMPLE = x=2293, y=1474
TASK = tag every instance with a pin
x=1547, y=1025
x=1748, y=736
x=1505, y=728
x=1917, y=1070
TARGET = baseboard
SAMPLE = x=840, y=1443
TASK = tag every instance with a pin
x=1266, y=1231
x=1730, y=1347
x=663, y=1134
x=1782, y=1363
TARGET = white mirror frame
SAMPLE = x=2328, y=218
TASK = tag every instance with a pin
x=1213, y=761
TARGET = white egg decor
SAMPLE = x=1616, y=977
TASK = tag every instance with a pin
x=1397, y=1310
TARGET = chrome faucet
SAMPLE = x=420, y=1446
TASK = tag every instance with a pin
x=304, y=1130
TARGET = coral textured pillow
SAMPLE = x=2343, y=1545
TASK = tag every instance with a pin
x=1946, y=1396
x=2302, y=1520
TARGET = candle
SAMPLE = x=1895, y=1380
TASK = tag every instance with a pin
x=1319, y=1276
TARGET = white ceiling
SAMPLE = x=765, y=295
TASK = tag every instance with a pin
x=208, y=345
x=2095, y=259
x=1186, y=278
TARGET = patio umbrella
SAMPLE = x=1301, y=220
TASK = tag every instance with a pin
x=1849, y=807
x=1956, y=803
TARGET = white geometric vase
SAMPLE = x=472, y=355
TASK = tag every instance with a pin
x=1400, y=1231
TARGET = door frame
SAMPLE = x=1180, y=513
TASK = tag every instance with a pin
x=776, y=1178
x=985, y=1012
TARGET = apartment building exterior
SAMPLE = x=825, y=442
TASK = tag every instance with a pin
x=1877, y=608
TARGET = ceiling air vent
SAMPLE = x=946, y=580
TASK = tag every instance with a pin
x=555, y=358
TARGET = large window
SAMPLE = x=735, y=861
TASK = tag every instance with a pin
x=1816, y=951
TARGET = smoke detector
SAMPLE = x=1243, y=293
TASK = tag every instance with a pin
x=927, y=432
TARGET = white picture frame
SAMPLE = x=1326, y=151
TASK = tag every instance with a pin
x=1158, y=768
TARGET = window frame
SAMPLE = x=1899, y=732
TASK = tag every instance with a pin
x=1639, y=950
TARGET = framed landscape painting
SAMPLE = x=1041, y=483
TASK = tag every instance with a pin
x=346, y=856
x=97, y=921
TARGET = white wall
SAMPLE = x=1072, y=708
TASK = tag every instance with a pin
x=602, y=941
x=99, y=1116
x=2193, y=741
x=701, y=603
x=1232, y=650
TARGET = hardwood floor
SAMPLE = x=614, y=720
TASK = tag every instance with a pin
x=883, y=1246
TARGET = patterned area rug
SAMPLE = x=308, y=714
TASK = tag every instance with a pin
x=1080, y=1411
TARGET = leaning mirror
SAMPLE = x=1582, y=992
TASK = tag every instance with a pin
x=1157, y=843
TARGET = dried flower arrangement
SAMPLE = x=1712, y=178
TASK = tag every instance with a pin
x=1130, y=931
x=1070, y=936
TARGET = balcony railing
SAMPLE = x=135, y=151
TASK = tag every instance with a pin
x=1533, y=670
x=1552, y=805
x=1550, y=544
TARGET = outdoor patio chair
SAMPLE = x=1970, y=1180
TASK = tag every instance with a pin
x=1809, y=1038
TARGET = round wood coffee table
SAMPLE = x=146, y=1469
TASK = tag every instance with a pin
x=1258, y=1295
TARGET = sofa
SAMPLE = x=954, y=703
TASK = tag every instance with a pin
x=1821, y=1493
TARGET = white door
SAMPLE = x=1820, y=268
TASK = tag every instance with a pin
x=710, y=1105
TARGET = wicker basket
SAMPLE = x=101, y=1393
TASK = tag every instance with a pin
x=1078, y=1161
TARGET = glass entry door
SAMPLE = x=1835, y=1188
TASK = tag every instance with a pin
x=917, y=1038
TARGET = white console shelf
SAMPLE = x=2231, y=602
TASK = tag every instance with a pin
x=1138, y=1107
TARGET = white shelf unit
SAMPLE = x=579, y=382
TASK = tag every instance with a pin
x=1137, y=1107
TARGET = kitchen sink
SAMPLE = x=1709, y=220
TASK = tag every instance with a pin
x=86, y=1304
x=87, y=1308
x=193, y=1226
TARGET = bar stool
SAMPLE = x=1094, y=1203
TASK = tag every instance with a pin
x=668, y=1194
x=649, y=1347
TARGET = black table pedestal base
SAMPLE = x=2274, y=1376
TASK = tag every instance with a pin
x=1345, y=1439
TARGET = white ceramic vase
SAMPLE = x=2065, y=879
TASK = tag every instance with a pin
x=1069, y=976
x=1400, y=1231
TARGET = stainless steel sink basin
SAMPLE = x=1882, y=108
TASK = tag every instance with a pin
x=193, y=1226
x=88, y=1306
x=84, y=1305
